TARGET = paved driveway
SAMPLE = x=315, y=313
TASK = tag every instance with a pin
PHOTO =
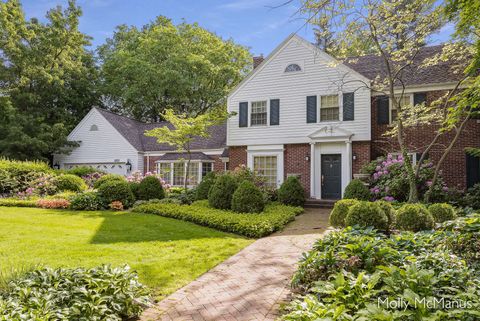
x=250, y=285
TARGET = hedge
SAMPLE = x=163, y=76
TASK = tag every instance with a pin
x=15, y=202
x=273, y=218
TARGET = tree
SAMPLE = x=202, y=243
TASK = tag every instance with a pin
x=183, y=130
x=47, y=81
x=183, y=67
x=398, y=31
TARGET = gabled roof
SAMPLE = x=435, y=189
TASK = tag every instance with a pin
x=194, y=156
x=133, y=131
x=372, y=66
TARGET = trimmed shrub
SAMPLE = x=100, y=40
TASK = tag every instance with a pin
x=15, y=202
x=365, y=214
x=87, y=201
x=414, y=217
x=116, y=190
x=102, y=293
x=442, y=212
x=134, y=187
x=221, y=193
x=84, y=171
x=150, y=188
x=389, y=211
x=53, y=203
x=291, y=192
x=357, y=190
x=17, y=176
x=204, y=187
x=273, y=218
x=70, y=182
x=108, y=178
x=340, y=211
x=472, y=198
x=248, y=198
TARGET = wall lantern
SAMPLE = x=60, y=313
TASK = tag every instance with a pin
x=354, y=157
x=307, y=158
x=129, y=165
x=56, y=166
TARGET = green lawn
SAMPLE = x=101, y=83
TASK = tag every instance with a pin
x=167, y=253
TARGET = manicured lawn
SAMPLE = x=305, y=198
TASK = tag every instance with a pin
x=167, y=253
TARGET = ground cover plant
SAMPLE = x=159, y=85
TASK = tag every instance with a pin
x=166, y=253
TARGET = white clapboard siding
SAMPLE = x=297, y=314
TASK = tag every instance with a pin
x=318, y=77
x=103, y=146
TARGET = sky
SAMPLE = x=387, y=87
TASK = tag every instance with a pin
x=252, y=23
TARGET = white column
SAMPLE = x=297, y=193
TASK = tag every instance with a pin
x=199, y=172
x=312, y=170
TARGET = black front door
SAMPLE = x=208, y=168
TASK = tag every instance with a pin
x=331, y=176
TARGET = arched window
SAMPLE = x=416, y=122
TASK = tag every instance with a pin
x=93, y=128
x=293, y=68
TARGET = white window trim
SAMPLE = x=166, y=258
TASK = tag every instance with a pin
x=300, y=64
x=193, y=162
x=390, y=105
x=414, y=156
x=340, y=111
x=267, y=104
x=278, y=153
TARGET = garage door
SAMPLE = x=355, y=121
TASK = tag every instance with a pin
x=113, y=168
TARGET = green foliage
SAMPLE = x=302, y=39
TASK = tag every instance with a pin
x=192, y=69
x=150, y=188
x=414, y=217
x=204, y=187
x=134, y=187
x=72, y=294
x=248, y=199
x=442, y=212
x=291, y=192
x=185, y=196
x=273, y=218
x=81, y=171
x=388, y=210
x=340, y=211
x=17, y=176
x=221, y=193
x=15, y=202
x=472, y=197
x=69, y=182
x=108, y=178
x=116, y=190
x=357, y=190
x=88, y=201
x=367, y=214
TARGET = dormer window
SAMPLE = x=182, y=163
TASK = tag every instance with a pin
x=293, y=68
x=93, y=128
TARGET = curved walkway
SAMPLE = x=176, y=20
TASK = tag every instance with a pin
x=249, y=285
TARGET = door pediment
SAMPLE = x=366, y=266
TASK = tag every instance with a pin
x=331, y=134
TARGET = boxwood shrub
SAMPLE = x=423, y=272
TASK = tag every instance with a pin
x=340, y=211
x=367, y=214
x=82, y=171
x=87, y=201
x=414, y=217
x=69, y=182
x=248, y=198
x=357, y=190
x=221, y=193
x=274, y=217
x=291, y=192
x=205, y=185
x=116, y=190
x=389, y=211
x=150, y=188
x=442, y=212
x=108, y=178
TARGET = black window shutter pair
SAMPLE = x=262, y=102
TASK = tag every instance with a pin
x=274, y=113
x=383, y=109
x=348, y=107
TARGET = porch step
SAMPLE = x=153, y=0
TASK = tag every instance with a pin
x=315, y=203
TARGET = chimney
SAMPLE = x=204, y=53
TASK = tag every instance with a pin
x=257, y=61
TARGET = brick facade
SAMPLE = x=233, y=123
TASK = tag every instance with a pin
x=454, y=167
x=295, y=162
x=362, y=153
x=237, y=156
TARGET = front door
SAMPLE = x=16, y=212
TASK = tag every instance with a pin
x=331, y=176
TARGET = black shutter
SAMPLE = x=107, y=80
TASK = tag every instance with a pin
x=243, y=114
x=311, y=109
x=348, y=106
x=383, y=110
x=419, y=98
x=274, y=111
x=473, y=170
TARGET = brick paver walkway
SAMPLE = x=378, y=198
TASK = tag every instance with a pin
x=249, y=285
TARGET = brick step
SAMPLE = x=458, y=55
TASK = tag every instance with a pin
x=315, y=203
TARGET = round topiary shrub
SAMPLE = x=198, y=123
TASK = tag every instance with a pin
x=108, y=178
x=70, y=182
x=87, y=201
x=357, y=190
x=442, y=212
x=134, y=187
x=389, y=211
x=204, y=187
x=116, y=190
x=340, y=211
x=414, y=217
x=291, y=192
x=221, y=193
x=150, y=188
x=365, y=214
x=248, y=198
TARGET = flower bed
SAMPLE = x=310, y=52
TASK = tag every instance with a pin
x=273, y=218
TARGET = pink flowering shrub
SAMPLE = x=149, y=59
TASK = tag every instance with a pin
x=91, y=178
x=43, y=185
x=137, y=177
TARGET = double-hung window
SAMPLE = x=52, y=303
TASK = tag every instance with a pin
x=164, y=170
x=258, y=115
x=178, y=173
x=329, y=108
x=403, y=101
x=206, y=168
x=266, y=167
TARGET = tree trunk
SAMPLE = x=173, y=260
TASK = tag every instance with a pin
x=187, y=169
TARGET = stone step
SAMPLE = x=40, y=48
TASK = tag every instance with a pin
x=316, y=203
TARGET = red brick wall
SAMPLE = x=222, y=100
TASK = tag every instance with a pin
x=454, y=167
x=295, y=163
x=363, y=155
x=237, y=156
x=218, y=166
